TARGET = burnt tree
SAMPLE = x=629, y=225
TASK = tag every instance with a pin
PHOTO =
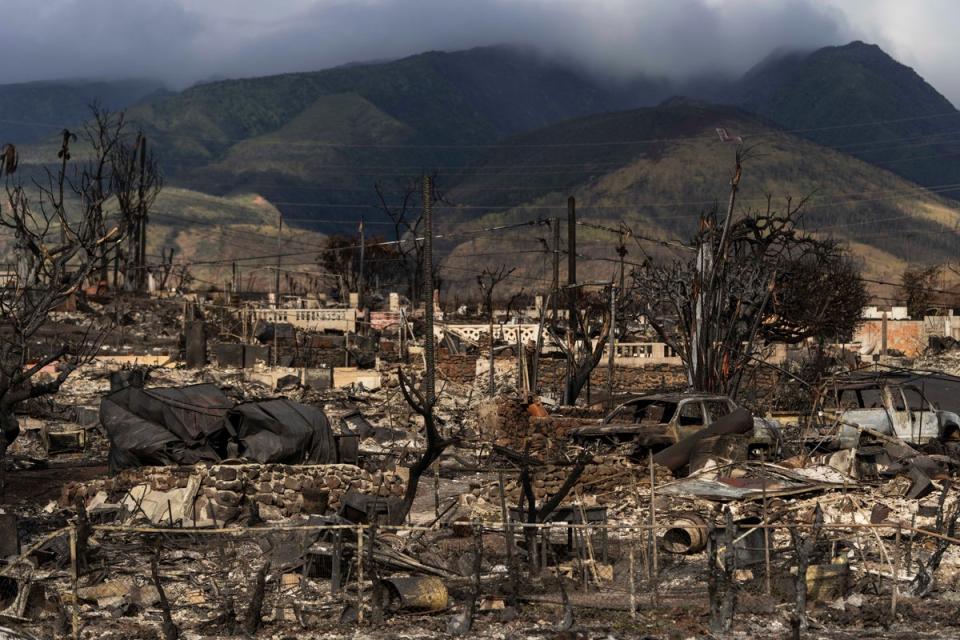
x=406, y=214
x=530, y=511
x=341, y=255
x=422, y=404
x=591, y=326
x=745, y=281
x=918, y=287
x=64, y=225
x=136, y=182
x=487, y=281
x=424, y=399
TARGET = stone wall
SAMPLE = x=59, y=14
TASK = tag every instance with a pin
x=637, y=380
x=509, y=423
x=219, y=494
x=459, y=368
x=653, y=377
x=285, y=490
x=649, y=379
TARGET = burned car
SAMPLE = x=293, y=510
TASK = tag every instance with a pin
x=655, y=422
x=900, y=411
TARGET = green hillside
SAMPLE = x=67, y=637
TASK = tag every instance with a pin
x=857, y=99
x=462, y=97
x=327, y=136
x=208, y=232
x=511, y=135
x=33, y=110
x=656, y=169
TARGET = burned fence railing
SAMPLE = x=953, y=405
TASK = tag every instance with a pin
x=312, y=575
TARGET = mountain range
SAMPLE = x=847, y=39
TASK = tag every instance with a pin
x=510, y=134
x=31, y=111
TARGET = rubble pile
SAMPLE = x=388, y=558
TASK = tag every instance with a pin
x=457, y=367
x=270, y=500
x=613, y=480
x=511, y=422
x=219, y=494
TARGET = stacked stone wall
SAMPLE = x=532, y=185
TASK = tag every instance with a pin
x=225, y=491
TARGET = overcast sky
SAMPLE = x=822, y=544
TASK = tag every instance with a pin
x=183, y=41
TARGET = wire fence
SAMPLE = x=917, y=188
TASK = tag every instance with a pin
x=362, y=573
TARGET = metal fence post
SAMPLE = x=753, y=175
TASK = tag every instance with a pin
x=633, y=584
x=895, y=590
x=74, y=577
x=360, y=574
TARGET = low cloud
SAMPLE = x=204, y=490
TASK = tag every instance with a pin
x=184, y=41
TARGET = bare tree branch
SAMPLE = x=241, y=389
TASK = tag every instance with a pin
x=65, y=227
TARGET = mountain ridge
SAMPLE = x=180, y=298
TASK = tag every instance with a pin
x=858, y=99
x=30, y=111
x=660, y=184
x=316, y=143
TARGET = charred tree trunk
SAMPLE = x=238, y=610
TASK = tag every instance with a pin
x=3, y=465
x=255, y=611
x=168, y=628
x=721, y=572
x=529, y=511
x=9, y=430
x=923, y=582
x=729, y=605
x=83, y=535
x=376, y=603
x=584, y=361
x=528, y=508
x=713, y=579
x=463, y=625
x=435, y=443
x=803, y=548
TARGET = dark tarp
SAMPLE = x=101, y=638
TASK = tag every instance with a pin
x=198, y=423
x=136, y=377
x=165, y=426
x=282, y=431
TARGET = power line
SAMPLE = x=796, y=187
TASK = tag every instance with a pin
x=896, y=193
x=222, y=139
x=323, y=249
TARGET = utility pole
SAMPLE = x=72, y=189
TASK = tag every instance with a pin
x=492, y=363
x=360, y=280
x=428, y=343
x=571, y=291
x=572, y=257
x=556, y=270
x=612, y=344
x=142, y=227
x=622, y=252
x=276, y=285
x=276, y=294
